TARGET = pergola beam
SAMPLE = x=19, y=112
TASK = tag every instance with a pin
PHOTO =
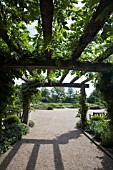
x=74, y=79
x=93, y=27
x=105, y=55
x=77, y=85
x=86, y=80
x=65, y=65
x=64, y=76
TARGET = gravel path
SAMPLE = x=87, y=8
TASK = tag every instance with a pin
x=55, y=144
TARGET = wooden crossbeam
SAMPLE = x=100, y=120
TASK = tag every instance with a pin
x=67, y=65
x=93, y=27
x=74, y=79
x=64, y=76
x=77, y=85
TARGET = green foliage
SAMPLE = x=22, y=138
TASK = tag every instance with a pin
x=70, y=95
x=94, y=97
x=50, y=108
x=107, y=138
x=11, y=135
x=23, y=128
x=102, y=131
x=97, y=118
x=54, y=105
x=27, y=91
x=82, y=112
x=11, y=119
x=77, y=105
x=105, y=84
x=31, y=123
x=60, y=106
x=45, y=95
x=99, y=127
x=7, y=89
x=57, y=94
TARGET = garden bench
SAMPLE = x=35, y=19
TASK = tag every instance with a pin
x=98, y=113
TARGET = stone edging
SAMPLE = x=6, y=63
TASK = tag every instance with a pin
x=97, y=144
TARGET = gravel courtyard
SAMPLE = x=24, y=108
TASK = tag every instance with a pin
x=54, y=143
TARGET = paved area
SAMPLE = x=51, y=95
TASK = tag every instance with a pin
x=55, y=144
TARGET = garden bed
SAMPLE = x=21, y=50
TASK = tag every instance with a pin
x=107, y=150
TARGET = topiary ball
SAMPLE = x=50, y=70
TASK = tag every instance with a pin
x=12, y=119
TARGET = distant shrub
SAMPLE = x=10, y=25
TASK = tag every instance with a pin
x=50, y=108
x=76, y=105
x=31, y=123
x=60, y=106
x=54, y=105
x=11, y=119
x=70, y=106
x=97, y=118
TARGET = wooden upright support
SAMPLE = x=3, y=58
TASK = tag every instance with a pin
x=83, y=93
x=83, y=106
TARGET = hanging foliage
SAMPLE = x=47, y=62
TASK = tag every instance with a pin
x=105, y=85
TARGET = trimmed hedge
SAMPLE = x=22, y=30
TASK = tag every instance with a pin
x=11, y=119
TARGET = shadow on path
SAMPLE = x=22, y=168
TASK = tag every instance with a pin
x=58, y=163
x=62, y=139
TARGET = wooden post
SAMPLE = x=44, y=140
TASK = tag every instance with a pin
x=26, y=108
x=83, y=107
x=83, y=93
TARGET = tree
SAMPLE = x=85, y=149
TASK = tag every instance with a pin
x=37, y=97
x=45, y=95
x=70, y=95
x=58, y=94
x=94, y=97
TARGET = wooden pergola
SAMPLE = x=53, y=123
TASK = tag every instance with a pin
x=73, y=63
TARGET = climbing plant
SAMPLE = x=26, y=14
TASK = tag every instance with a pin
x=28, y=89
x=7, y=90
x=105, y=85
x=83, y=108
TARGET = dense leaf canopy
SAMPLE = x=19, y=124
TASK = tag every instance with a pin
x=68, y=35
